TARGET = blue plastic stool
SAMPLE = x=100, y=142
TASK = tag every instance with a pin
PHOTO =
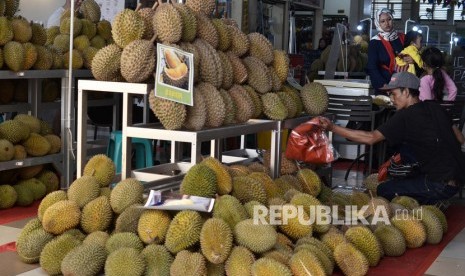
x=143, y=150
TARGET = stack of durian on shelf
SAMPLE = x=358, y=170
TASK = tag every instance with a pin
x=27, y=45
x=237, y=76
x=105, y=230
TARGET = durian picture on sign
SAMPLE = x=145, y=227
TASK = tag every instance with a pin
x=174, y=77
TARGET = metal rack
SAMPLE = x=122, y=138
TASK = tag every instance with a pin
x=156, y=131
x=60, y=160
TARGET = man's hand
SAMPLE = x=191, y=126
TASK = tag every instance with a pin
x=326, y=123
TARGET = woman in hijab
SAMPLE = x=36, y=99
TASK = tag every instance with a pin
x=383, y=49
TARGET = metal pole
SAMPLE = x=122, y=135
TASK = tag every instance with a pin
x=452, y=34
x=406, y=24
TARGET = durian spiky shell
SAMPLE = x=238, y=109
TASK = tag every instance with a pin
x=281, y=64
x=147, y=15
x=228, y=76
x=207, y=31
x=39, y=34
x=273, y=107
x=289, y=103
x=210, y=63
x=276, y=84
x=238, y=67
x=171, y=114
x=230, y=108
x=244, y=103
x=90, y=10
x=261, y=48
x=196, y=114
x=167, y=33
x=138, y=60
x=127, y=26
x=258, y=75
x=13, y=53
x=189, y=22
x=204, y=7
x=106, y=63
x=7, y=31
x=239, y=41
x=315, y=98
x=224, y=34
x=214, y=104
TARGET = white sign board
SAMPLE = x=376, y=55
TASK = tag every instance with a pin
x=110, y=8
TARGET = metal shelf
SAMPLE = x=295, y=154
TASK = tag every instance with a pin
x=31, y=161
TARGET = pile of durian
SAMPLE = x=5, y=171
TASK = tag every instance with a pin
x=105, y=231
x=26, y=45
x=237, y=76
x=23, y=186
x=354, y=58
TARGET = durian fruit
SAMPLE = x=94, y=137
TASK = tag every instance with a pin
x=65, y=26
x=188, y=263
x=138, y=60
x=223, y=178
x=184, y=231
x=190, y=48
x=126, y=193
x=14, y=131
x=22, y=31
x=238, y=68
x=158, y=259
x=230, y=108
x=97, y=237
x=271, y=189
x=8, y=196
x=37, y=188
x=81, y=42
x=83, y=190
x=224, y=34
x=20, y=152
x=96, y=215
x=229, y=209
x=256, y=237
x=127, y=26
x=216, y=240
x=29, y=246
x=350, y=260
x=245, y=108
x=311, y=182
x=147, y=14
x=55, y=251
x=260, y=47
x=90, y=10
x=45, y=59
x=433, y=227
x=171, y=114
x=296, y=227
x=36, y=145
x=238, y=170
x=167, y=33
x=206, y=30
x=189, y=22
x=379, y=206
x=315, y=98
x=281, y=64
x=197, y=114
x=294, y=93
x=55, y=143
x=32, y=122
x=406, y=201
x=25, y=195
x=239, y=262
x=276, y=84
x=412, y=228
x=88, y=55
x=89, y=29
x=258, y=75
x=214, y=103
x=305, y=262
x=153, y=225
x=321, y=251
x=51, y=33
x=14, y=55
x=205, y=7
x=365, y=241
x=246, y=189
x=239, y=41
x=102, y=168
x=125, y=261
x=211, y=70
x=86, y=259
x=106, y=64
x=442, y=218
x=57, y=58
x=53, y=220
x=257, y=101
x=121, y=240
x=6, y=31
x=271, y=267
x=49, y=200
x=7, y=150
x=391, y=239
x=273, y=107
x=30, y=55
x=289, y=103
x=228, y=77
x=128, y=220
x=104, y=29
x=77, y=60
x=333, y=238
x=99, y=42
x=11, y=7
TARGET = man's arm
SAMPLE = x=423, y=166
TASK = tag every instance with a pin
x=365, y=137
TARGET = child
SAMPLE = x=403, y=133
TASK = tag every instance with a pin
x=412, y=45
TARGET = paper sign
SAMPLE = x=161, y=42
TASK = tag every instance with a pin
x=174, y=77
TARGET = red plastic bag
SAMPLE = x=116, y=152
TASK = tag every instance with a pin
x=309, y=143
x=383, y=169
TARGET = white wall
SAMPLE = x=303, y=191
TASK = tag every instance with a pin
x=38, y=10
x=331, y=7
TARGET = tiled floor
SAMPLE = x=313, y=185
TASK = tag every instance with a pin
x=450, y=262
